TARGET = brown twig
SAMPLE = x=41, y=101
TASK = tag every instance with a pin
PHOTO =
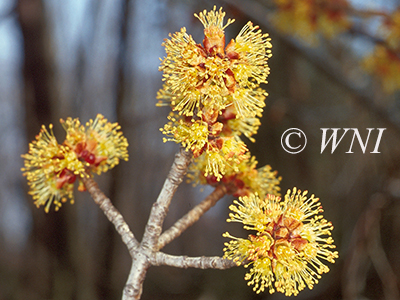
x=112, y=214
x=203, y=262
x=192, y=216
x=367, y=13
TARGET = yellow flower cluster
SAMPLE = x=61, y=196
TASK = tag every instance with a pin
x=307, y=18
x=214, y=91
x=384, y=64
x=52, y=168
x=391, y=30
x=215, y=96
x=242, y=180
x=212, y=77
x=290, y=242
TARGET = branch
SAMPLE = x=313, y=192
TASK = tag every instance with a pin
x=192, y=216
x=203, y=262
x=112, y=214
x=160, y=207
x=377, y=40
x=134, y=285
x=367, y=13
x=148, y=246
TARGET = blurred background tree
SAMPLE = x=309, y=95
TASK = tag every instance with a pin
x=335, y=64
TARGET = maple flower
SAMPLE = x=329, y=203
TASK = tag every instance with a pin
x=213, y=151
x=332, y=17
x=211, y=76
x=264, y=181
x=290, y=242
x=192, y=135
x=220, y=154
x=384, y=64
x=51, y=169
x=247, y=126
x=238, y=126
x=307, y=18
x=216, y=157
x=99, y=145
x=240, y=179
x=391, y=30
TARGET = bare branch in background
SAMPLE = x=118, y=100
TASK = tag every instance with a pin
x=366, y=243
x=376, y=251
x=37, y=67
x=323, y=62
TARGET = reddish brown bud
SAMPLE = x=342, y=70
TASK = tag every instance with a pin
x=299, y=243
x=292, y=224
x=230, y=50
x=282, y=233
x=214, y=41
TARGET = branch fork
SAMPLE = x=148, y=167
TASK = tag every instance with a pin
x=147, y=252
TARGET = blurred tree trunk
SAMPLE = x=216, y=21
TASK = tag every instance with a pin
x=46, y=263
x=110, y=243
x=37, y=65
